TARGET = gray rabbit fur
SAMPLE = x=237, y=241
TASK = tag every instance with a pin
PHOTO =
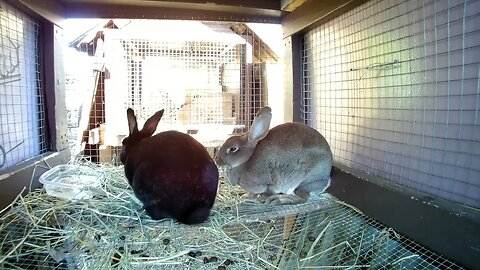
x=282, y=165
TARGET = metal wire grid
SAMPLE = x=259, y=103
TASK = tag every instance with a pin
x=319, y=234
x=184, y=78
x=339, y=237
x=229, y=89
x=394, y=87
x=306, y=102
x=198, y=83
x=254, y=78
x=23, y=247
x=22, y=114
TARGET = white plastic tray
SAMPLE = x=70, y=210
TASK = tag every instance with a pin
x=71, y=182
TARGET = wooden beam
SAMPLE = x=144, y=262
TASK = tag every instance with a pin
x=293, y=78
x=263, y=4
x=180, y=12
x=291, y=5
x=313, y=13
x=49, y=10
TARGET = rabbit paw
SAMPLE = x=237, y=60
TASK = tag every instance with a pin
x=255, y=197
x=284, y=199
x=248, y=196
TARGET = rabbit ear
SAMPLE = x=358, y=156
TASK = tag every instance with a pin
x=151, y=124
x=132, y=121
x=260, y=125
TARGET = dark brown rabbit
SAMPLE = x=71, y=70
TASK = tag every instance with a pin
x=171, y=173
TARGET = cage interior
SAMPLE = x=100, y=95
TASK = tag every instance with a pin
x=392, y=85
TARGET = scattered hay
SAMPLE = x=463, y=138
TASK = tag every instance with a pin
x=112, y=231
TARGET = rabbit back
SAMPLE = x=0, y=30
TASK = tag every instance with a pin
x=291, y=156
x=174, y=177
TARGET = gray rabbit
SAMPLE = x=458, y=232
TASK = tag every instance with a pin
x=283, y=165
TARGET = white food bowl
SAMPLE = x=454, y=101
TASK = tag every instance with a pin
x=71, y=182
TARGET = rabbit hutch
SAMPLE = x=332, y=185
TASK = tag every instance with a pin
x=393, y=86
x=210, y=79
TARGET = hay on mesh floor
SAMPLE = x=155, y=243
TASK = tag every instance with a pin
x=112, y=231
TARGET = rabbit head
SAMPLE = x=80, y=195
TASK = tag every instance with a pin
x=136, y=136
x=238, y=149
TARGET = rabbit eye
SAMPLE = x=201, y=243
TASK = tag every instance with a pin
x=232, y=149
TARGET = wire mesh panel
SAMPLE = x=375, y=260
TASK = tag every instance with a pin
x=210, y=78
x=394, y=87
x=22, y=115
x=184, y=78
x=254, y=58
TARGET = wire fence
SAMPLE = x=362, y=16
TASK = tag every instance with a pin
x=394, y=87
